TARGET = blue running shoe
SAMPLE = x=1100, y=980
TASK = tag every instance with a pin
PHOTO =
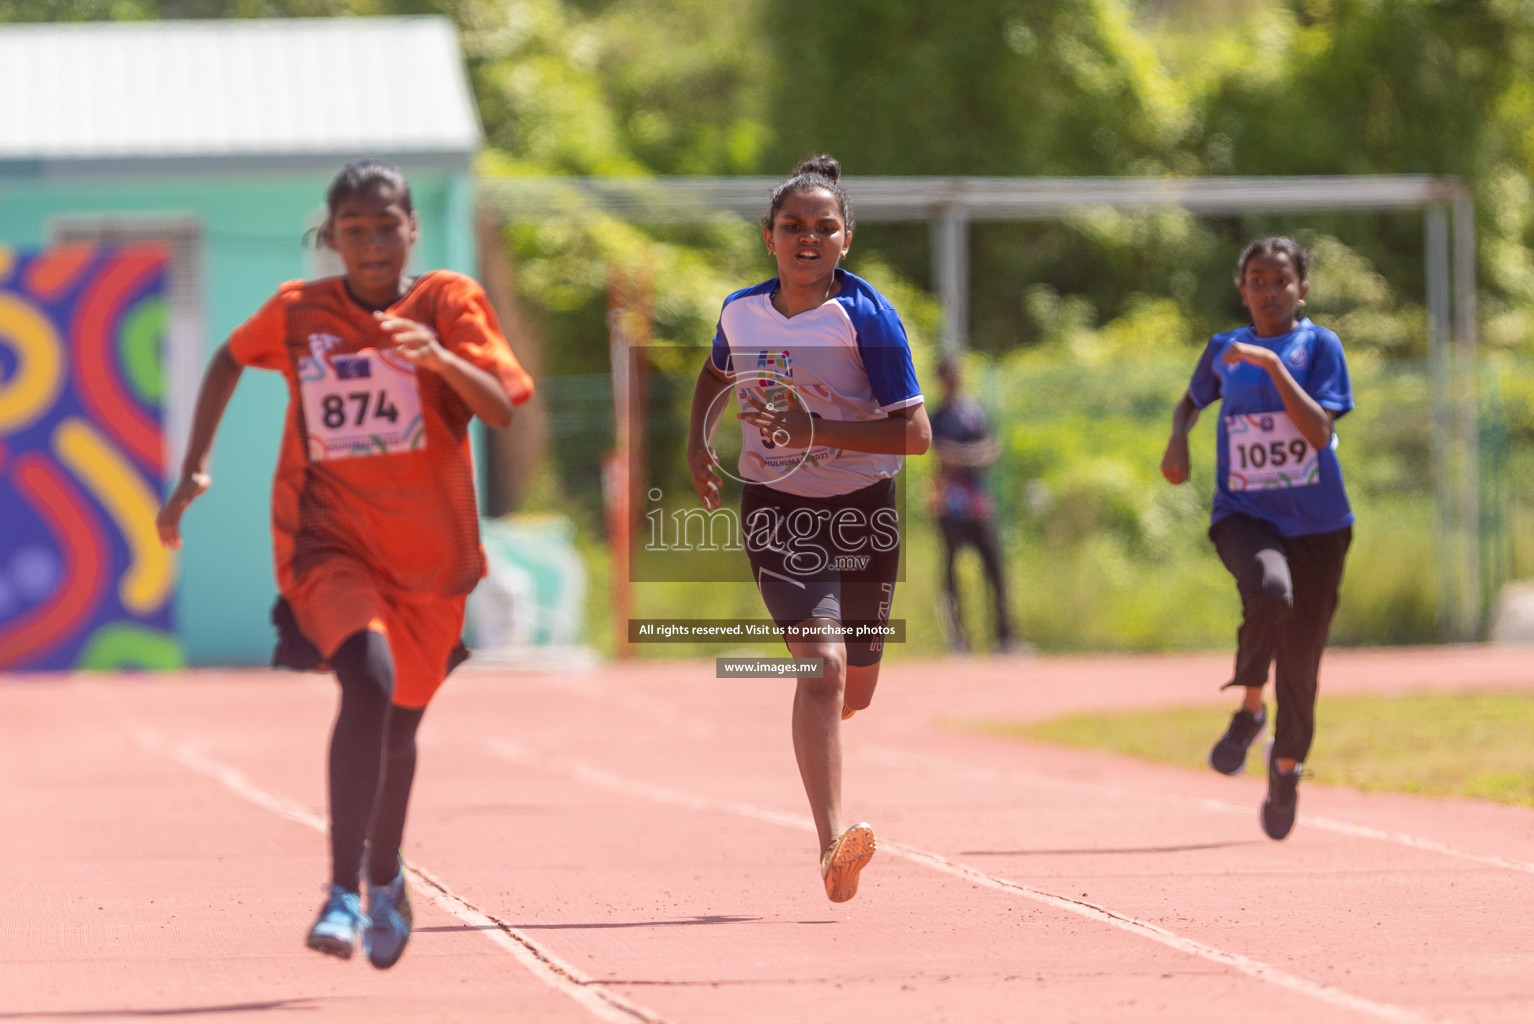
x=388, y=926
x=340, y=922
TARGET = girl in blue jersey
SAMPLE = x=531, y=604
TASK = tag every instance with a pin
x=828, y=405
x=1281, y=521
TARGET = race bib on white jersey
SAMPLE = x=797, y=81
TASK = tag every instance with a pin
x=1265, y=451
x=360, y=404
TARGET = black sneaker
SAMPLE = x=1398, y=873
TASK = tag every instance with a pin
x=1283, y=800
x=1228, y=756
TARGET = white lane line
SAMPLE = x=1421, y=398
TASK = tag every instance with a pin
x=1417, y=842
x=600, y=691
x=889, y=755
x=601, y=1002
x=516, y=753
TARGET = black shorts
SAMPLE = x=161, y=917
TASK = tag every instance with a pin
x=825, y=558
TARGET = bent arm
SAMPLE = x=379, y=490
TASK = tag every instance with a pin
x=1176, y=466
x=707, y=409
x=905, y=431
x=480, y=390
x=218, y=384
x=1313, y=422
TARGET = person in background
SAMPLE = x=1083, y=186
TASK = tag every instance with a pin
x=964, y=507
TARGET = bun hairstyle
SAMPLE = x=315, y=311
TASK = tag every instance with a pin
x=819, y=171
x=1275, y=245
x=359, y=178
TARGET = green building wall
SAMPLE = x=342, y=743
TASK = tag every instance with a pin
x=251, y=230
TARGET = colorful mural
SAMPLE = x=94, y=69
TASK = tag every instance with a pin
x=84, y=581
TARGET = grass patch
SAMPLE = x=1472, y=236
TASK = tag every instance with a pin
x=1473, y=745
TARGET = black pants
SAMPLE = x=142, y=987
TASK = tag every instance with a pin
x=372, y=764
x=1288, y=589
x=981, y=534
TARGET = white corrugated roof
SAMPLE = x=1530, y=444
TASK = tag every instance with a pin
x=233, y=88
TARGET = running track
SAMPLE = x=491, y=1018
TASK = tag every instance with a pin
x=631, y=844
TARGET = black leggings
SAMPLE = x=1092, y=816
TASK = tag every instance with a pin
x=981, y=534
x=372, y=763
x=1288, y=588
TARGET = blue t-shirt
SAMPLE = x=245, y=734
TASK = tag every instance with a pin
x=961, y=490
x=849, y=359
x=1264, y=468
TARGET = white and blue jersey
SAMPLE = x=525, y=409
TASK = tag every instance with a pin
x=849, y=359
x=1265, y=468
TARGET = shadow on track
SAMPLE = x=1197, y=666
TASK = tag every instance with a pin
x=1107, y=849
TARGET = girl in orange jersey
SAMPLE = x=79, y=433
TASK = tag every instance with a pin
x=374, y=522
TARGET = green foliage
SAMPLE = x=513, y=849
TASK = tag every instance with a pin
x=1008, y=87
x=1101, y=553
x=1105, y=555
x=630, y=87
x=699, y=110
x=1087, y=326
x=1403, y=87
x=983, y=87
x=151, y=10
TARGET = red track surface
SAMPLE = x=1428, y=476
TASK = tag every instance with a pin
x=632, y=844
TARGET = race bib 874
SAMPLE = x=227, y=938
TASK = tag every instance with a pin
x=1265, y=451
x=360, y=404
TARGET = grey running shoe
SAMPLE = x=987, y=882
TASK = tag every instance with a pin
x=1228, y=755
x=389, y=922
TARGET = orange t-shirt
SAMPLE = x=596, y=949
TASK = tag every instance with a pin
x=375, y=466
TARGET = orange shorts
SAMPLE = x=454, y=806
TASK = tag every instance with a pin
x=342, y=598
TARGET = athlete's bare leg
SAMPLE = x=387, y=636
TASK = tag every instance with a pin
x=861, y=680
x=817, y=728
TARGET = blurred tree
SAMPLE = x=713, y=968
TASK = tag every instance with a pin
x=992, y=87
x=987, y=87
x=1002, y=87
x=1407, y=87
x=143, y=10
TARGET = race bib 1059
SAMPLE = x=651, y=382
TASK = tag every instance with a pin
x=360, y=404
x=1266, y=451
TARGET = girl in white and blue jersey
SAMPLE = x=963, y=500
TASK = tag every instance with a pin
x=821, y=372
x=1281, y=521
